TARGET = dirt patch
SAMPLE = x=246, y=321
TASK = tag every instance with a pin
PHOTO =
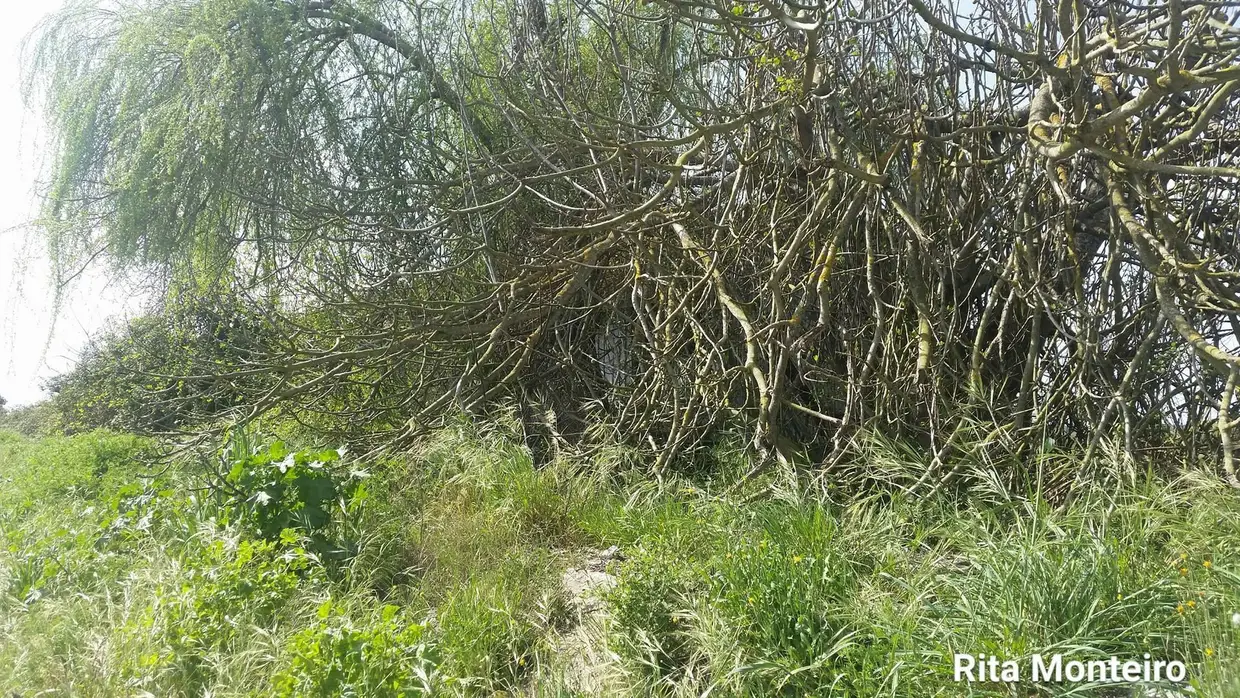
x=583, y=648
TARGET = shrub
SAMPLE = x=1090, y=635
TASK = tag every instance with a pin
x=146, y=375
x=33, y=421
x=283, y=495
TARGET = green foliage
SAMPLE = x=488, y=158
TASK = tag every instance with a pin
x=385, y=657
x=284, y=495
x=467, y=526
x=116, y=582
x=647, y=613
x=168, y=95
x=225, y=590
x=874, y=597
x=35, y=420
x=62, y=499
x=486, y=634
x=133, y=376
x=786, y=588
x=61, y=469
x=335, y=163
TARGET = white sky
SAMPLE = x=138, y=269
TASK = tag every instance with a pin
x=32, y=346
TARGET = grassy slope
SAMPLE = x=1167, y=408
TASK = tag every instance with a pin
x=117, y=582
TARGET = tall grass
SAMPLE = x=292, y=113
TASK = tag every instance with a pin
x=118, y=580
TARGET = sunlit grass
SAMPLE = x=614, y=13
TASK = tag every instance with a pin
x=116, y=580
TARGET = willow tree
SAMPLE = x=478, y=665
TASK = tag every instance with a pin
x=807, y=219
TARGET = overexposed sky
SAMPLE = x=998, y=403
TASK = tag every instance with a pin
x=35, y=343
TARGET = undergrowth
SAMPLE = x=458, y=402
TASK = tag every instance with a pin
x=305, y=573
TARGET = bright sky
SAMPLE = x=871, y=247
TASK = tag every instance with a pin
x=34, y=343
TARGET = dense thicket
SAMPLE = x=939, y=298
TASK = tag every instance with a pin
x=161, y=373
x=996, y=221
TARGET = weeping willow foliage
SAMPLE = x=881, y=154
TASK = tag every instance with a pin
x=660, y=218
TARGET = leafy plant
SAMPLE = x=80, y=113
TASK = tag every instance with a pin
x=383, y=657
x=226, y=588
x=285, y=495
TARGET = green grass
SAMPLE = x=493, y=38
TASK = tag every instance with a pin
x=116, y=579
